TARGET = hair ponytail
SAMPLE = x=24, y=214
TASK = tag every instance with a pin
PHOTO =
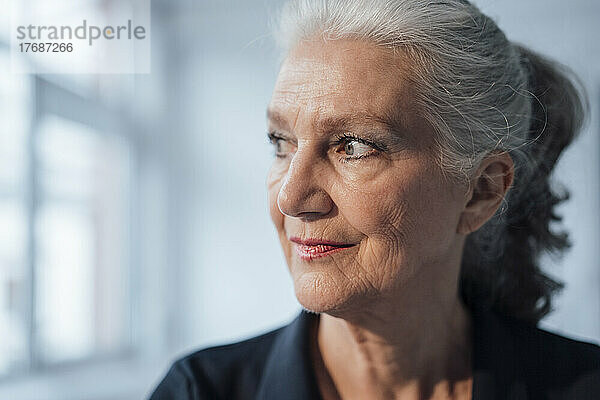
x=516, y=237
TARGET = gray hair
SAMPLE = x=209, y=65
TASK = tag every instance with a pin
x=480, y=93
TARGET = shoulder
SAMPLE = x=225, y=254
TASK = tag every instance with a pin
x=562, y=367
x=542, y=345
x=516, y=359
x=231, y=371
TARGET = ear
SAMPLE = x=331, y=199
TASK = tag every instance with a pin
x=489, y=186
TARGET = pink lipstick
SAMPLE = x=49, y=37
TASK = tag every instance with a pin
x=308, y=249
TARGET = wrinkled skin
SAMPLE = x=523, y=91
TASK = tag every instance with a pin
x=394, y=205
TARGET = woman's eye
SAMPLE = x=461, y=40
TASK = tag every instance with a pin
x=354, y=149
x=282, y=147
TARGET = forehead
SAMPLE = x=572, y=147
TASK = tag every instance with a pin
x=321, y=80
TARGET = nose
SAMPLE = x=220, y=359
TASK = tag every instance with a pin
x=301, y=194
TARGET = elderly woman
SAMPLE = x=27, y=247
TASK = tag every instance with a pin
x=410, y=190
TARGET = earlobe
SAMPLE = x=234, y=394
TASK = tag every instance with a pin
x=489, y=186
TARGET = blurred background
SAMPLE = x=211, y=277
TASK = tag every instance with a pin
x=133, y=214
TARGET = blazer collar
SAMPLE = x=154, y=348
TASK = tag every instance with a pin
x=497, y=372
x=288, y=372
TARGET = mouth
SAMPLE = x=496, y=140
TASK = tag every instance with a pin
x=309, y=249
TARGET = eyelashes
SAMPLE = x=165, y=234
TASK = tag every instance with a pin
x=349, y=137
x=278, y=141
x=348, y=146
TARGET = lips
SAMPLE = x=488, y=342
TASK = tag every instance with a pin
x=309, y=249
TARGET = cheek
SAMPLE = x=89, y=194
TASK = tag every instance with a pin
x=377, y=205
x=275, y=179
x=274, y=182
x=371, y=214
x=403, y=213
x=386, y=220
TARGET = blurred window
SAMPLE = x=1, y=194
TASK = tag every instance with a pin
x=65, y=227
x=14, y=225
x=81, y=241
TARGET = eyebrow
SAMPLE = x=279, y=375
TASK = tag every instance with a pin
x=340, y=122
x=343, y=121
x=277, y=119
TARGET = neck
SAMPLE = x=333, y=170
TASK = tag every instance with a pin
x=414, y=347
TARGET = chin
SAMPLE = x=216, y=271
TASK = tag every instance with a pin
x=319, y=292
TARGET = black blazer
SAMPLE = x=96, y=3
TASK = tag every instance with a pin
x=511, y=361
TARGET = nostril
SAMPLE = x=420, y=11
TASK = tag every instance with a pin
x=302, y=195
x=308, y=205
x=309, y=216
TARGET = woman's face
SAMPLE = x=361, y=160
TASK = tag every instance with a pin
x=360, y=206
